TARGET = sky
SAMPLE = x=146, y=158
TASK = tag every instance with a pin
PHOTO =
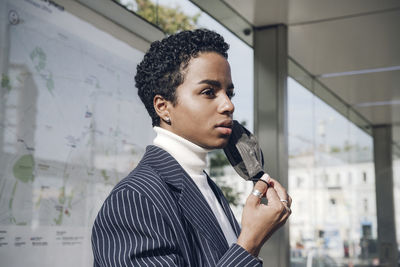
x=312, y=122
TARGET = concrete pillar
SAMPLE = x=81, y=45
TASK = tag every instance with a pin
x=270, y=122
x=385, y=212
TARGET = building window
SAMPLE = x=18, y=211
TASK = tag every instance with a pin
x=333, y=201
x=365, y=177
x=365, y=205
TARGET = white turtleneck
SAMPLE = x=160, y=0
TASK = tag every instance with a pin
x=192, y=158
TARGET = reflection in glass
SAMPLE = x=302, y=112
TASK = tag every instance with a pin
x=335, y=221
x=167, y=15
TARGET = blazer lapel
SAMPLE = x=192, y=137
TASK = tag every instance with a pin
x=192, y=202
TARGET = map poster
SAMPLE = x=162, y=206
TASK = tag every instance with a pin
x=71, y=127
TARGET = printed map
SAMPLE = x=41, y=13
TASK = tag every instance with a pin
x=71, y=126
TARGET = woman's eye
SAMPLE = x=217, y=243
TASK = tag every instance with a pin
x=208, y=92
x=230, y=94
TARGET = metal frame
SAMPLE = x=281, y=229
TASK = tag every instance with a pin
x=228, y=17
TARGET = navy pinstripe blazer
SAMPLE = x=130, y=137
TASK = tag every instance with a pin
x=157, y=216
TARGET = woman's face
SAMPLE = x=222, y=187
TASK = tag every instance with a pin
x=203, y=111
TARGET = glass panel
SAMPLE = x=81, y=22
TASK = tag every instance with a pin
x=169, y=15
x=71, y=126
x=331, y=179
x=299, y=74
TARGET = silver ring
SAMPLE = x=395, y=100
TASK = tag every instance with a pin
x=284, y=200
x=257, y=193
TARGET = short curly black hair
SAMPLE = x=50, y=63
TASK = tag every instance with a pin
x=161, y=70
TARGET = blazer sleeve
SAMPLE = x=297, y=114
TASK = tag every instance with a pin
x=238, y=256
x=130, y=231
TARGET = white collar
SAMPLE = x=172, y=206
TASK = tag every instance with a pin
x=190, y=156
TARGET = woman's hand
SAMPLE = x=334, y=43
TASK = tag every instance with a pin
x=260, y=221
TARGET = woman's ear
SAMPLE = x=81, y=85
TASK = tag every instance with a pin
x=161, y=106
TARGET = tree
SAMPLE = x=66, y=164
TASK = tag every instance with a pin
x=218, y=161
x=170, y=20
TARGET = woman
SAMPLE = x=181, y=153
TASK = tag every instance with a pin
x=167, y=212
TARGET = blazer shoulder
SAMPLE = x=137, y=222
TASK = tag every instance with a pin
x=157, y=171
x=143, y=180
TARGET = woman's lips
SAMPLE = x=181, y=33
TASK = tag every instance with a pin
x=225, y=127
x=224, y=130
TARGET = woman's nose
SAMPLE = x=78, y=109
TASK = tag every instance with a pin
x=226, y=105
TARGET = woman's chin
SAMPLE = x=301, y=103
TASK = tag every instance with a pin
x=221, y=143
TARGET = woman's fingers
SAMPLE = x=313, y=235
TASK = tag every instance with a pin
x=282, y=193
x=258, y=192
x=273, y=197
x=260, y=221
x=274, y=192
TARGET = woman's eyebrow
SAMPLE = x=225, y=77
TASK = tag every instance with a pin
x=215, y=83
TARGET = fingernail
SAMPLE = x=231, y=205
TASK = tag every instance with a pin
x=265, y=178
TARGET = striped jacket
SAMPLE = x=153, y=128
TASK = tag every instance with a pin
x=157, y=216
